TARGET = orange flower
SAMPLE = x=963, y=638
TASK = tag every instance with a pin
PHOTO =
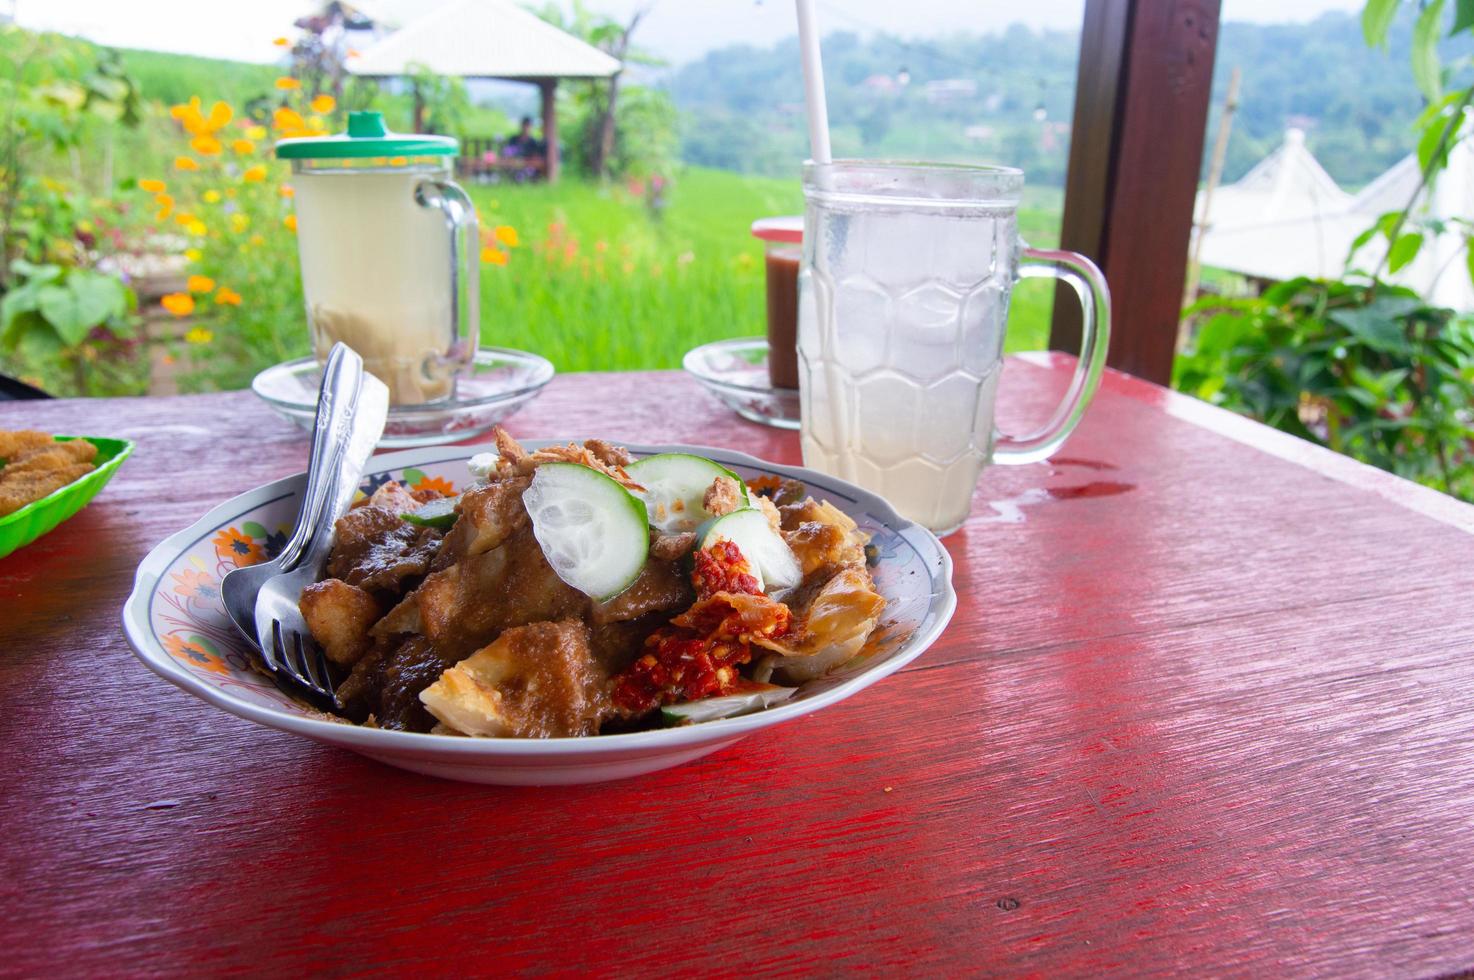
x=323, y=104
x=286, y=190
x=195, y=584
x=440, y=485
x=195, y=651
x=151, y=186
x=199, y=284
x=236, y=548
x=243, y=146
x=190, y=117
x=227, y=296
x=220, y=116
x=164, y=200
x=185, y=163
x=281, y=42
x=286, y=117
x=163, y=214
x=184, y=218
x=493, y=256
x=254, y=175
x=205, y=145
x=288, y=84
x=290, y=221
x=180, y=304
x=507, y=235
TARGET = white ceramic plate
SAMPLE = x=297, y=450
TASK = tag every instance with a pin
x=177, y=626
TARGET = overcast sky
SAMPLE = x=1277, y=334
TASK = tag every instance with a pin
x=679, y=30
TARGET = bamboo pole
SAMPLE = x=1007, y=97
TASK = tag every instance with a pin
x=1215, y=174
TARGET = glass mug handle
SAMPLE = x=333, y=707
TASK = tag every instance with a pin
x=465, y=296
x=1095, y=336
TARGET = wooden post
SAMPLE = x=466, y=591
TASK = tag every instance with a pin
x=549, y=88
x=1141, y=106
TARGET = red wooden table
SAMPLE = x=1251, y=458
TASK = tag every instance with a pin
x=1208, y=701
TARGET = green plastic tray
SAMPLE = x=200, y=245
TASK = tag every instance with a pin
x=38, y=517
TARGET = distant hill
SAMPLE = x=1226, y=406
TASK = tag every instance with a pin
x=1007, y=97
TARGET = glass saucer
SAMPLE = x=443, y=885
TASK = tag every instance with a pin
x=500, y=382
x=736, y=371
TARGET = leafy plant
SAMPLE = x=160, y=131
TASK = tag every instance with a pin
x=1366, y=369
x=66, y=315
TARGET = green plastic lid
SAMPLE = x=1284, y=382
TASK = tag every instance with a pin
x=366, y=137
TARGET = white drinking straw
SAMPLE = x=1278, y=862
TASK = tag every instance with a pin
x=808, y=45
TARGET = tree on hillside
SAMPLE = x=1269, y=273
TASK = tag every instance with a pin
x=613, y=38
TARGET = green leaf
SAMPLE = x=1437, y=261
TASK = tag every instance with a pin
x=1469, y=256
x=1376, y=20
x=59, y=306
x=412, y=476
x=40, y=345
x=1403, y=251
x=1463, y=16
x=255, y=530
x=1427, y=71
x=1373, y=328
x=1433, y=137
x=99, y=297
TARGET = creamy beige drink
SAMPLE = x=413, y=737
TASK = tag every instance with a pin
x=375, y=271
x=388, y=249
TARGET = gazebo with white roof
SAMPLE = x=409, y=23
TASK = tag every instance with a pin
x=489, y=39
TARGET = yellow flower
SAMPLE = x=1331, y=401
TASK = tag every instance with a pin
x=254, y=175
x=192, y=254
x=281, y=42
x=493, y=256
x=199, y=284
x=196, y=228
x=507, y=235
x=185, y=163
x=239, y=222
x=211, y=196
x=290, y=221
x=198, y=335
x=256, y=132
x=206, y=145
x=258, y=239
x=288, y=84
x=227, y=296
x=151, y=186
x=243, y=146
x=287, y=190
x=180, y=304
x=286, y=117
x=323, y=104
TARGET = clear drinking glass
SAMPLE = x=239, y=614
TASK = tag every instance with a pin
x=903, y=300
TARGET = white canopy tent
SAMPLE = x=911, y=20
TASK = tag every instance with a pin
x=487, y=39
x=1286, y=217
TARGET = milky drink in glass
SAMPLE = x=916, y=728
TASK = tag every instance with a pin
x=904, y=295
x=388, y=254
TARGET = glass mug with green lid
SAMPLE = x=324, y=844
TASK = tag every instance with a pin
x=388, y=247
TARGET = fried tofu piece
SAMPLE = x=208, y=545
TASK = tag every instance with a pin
x=53, y=457
x=19, y=489
x=534, y=681
x=12, y=444
x=339, y=616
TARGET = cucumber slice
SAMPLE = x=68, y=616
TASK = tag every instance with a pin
x=724, y=706
x=675, y=484
x=591, y=529
x=773, y=562
x=437, y=513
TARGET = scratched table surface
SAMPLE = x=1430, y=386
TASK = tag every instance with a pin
x=1207, y=702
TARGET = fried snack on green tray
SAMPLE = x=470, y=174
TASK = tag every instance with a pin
x=19, y=489
x=53, y=457
x=12, y=444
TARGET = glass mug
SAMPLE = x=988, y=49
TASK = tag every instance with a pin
x=903, y=300
x=390, y=254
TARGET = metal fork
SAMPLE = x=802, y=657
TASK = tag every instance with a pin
x=262, y=599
